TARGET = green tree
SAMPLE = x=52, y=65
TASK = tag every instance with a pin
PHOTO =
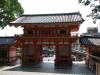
x=9, y=10
x=95, y=8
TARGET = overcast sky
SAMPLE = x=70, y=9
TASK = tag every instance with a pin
x=48, y=6
x=51, y=6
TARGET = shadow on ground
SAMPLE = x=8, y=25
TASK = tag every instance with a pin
x=48, y=67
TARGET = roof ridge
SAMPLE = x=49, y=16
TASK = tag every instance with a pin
x=91, y=36
x=52, y=14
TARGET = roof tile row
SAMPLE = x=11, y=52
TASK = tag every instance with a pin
x=50, y=18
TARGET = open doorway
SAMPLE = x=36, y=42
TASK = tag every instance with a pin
x=48, y=53
x=48, y=56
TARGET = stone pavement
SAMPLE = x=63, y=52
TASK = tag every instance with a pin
x=47, y=68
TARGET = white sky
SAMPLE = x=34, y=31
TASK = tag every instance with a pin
x=51, y=6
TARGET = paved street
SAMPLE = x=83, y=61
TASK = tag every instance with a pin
x=46, y=68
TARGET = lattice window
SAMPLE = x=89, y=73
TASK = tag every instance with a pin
x=29, y=32
x=63, y=32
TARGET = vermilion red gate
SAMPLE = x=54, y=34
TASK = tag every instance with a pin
x=47, y=29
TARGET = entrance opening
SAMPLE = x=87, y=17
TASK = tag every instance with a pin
x=48, y=53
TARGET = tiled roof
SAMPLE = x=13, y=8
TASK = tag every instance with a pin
x=7, y=40
x=90, y=41
x=49, y=18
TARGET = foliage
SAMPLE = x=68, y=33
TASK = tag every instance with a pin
x=95, y=12
x=9, y=10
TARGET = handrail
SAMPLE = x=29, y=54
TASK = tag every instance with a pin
x=98, y=58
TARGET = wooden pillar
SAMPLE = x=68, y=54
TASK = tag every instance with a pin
x=56, y=56
x=70, y=55
x=63, y=56
x=38, y=55
x=24, y=55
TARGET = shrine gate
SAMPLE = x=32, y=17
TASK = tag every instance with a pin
x=47, y=30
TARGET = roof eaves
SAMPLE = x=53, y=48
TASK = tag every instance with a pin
x=11, y=23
